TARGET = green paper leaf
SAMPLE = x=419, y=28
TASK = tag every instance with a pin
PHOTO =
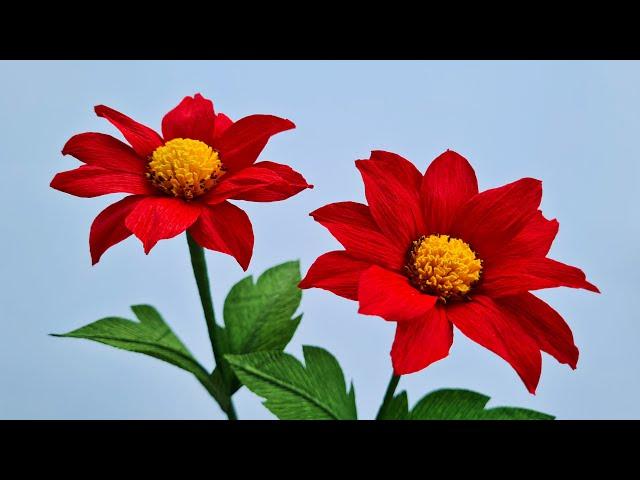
x=450, y=404
x=292, y=391
x=258, y=316
x=150, y=336
x=396, y=409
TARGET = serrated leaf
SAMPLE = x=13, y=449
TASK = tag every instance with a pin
x=396, y=409
x=258, y=316
x=150, y=336
x=450, y=404
x=293, y=391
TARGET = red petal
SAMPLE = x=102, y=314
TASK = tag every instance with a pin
x=448, y=183
x=89, y=181
x=486, y=323
x=108, y=228
x=353, y=226
x=534, y=240
x=104, y=151
x=391, y=296
x=143, y=140
x=519, y=276
x=243, y=141
x=193, y=118
x=262, y=182
x=392, y=188
x=544, y=324
x=158, y=218
x=222, y=123
x=420, y=343
x=337, y=272
x=494, y=217
x=225, y=228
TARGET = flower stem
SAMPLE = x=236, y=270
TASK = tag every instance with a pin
x=391, y=389
x=199, y=264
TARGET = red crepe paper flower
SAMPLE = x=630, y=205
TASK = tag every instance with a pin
x=180, y=181
x=430, y=252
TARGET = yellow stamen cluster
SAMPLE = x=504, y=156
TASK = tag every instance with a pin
x=184, y=168
x=443, y=266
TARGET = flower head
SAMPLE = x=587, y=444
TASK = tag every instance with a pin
x=430, y=252
x=180, y=181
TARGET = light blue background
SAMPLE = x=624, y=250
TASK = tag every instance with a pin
x=575, y=125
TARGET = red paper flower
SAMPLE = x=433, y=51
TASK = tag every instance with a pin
x=182, y=181
x=430, y=252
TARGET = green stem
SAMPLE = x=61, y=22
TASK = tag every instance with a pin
x=391, y=389
x=199, y=264
x=231, y=411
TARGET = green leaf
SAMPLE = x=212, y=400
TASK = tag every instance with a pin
x=396, y=409
x=150, y=336
x=258, y=316
x=292, y=391
x=449, y=404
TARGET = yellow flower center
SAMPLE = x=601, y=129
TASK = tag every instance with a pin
x=184, y=168
x=443, y=266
